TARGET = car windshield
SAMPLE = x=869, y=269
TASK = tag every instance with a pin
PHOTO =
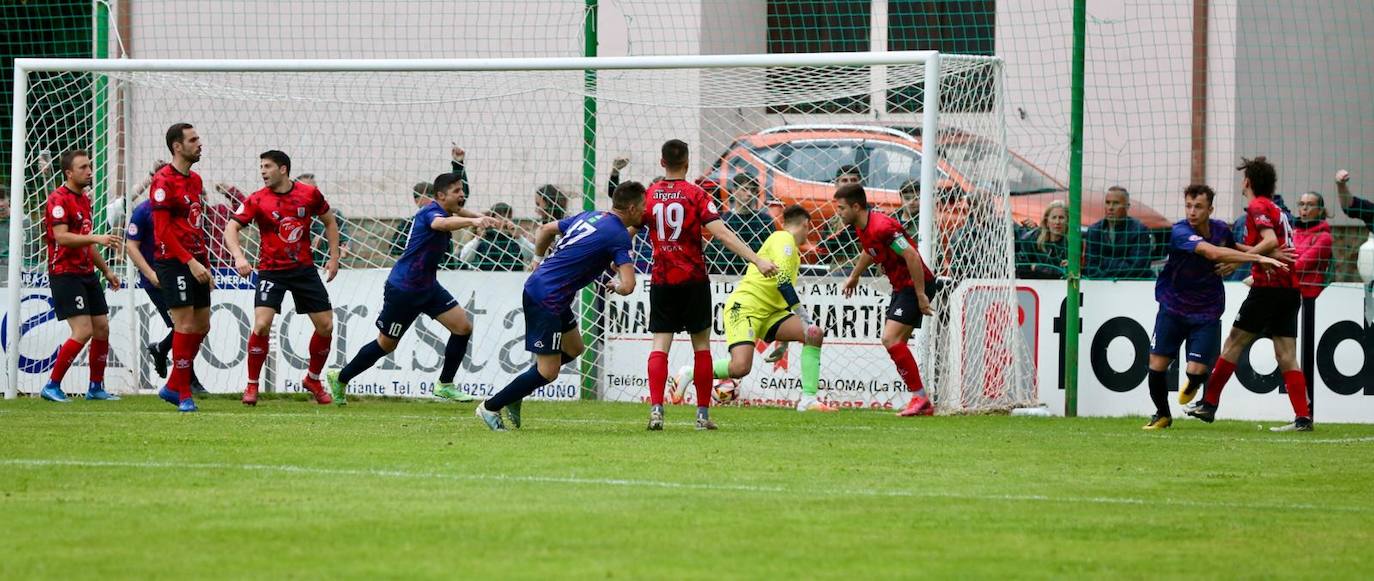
x=817, y=161
x=1022, y=178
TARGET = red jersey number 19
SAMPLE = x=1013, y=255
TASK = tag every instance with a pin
x=669, y=216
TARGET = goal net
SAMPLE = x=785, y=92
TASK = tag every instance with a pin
x=537, y=139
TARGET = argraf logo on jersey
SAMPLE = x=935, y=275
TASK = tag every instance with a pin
x=291, y=230
x=159, y=195
x=58, y=212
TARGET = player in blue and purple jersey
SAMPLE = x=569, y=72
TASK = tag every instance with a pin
x=413, y=289
x=140, y=246
x=591, y=242
x=1191, y=299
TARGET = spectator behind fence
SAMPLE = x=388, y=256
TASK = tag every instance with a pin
x=319, y=247
x=641, y=250
x=422, y=194
x=838, y=243
x=217, y=217
x=1043, y=252
x=748, y=219
x=1355, y=207
x=1118, y=246
x=910, y=212
x=4, y=230
x=499, y=249
x=1312, y=240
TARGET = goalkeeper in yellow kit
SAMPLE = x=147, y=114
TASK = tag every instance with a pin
x=769, y=309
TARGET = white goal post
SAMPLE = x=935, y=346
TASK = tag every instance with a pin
x=116, y=94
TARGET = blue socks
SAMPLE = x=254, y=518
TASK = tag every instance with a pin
x=454, y=351
x=364, y=360
x=519, y=388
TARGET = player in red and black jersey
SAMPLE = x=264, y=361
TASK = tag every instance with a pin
x=884, y=241
x=180, y=258
x=77, y=295
x=675, y=213
x=283, y=212
x=1271, y=308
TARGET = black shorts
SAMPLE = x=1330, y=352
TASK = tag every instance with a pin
x=307, y=290
x=179, y=287
x=77, y=294
x=401, y=307
x=680, y=307
x=1270, y=312
x=903, y=307
x=544, y=328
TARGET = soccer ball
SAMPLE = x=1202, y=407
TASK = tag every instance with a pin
x=725, y=391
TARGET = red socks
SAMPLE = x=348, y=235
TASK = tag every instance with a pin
x=99, y=355
x=906, y=367
x=703, y=376
x=65, y=356
x=658, y=376
x=257, y=355
x=184, y=349
x=1296, y=384
x=1220, y=375
x=319, y=354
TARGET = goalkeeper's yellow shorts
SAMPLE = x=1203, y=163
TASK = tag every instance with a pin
x=746, y=322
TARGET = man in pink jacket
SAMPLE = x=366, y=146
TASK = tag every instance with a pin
x=1312, y=240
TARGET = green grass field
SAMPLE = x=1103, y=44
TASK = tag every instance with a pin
x=132, y=489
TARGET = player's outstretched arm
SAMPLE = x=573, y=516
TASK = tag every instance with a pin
x=728, y=237
x=1227, y=255
x=851, y=283
x=65, y=237
x=453, y=223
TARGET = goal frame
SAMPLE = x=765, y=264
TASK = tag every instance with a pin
x=24, y=66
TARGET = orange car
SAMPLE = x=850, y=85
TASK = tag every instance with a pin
x=797, y=164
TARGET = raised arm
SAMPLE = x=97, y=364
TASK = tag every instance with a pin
x=726, y=236
x=1343, y=189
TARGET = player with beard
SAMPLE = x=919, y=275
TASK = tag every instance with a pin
x=283, y=212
